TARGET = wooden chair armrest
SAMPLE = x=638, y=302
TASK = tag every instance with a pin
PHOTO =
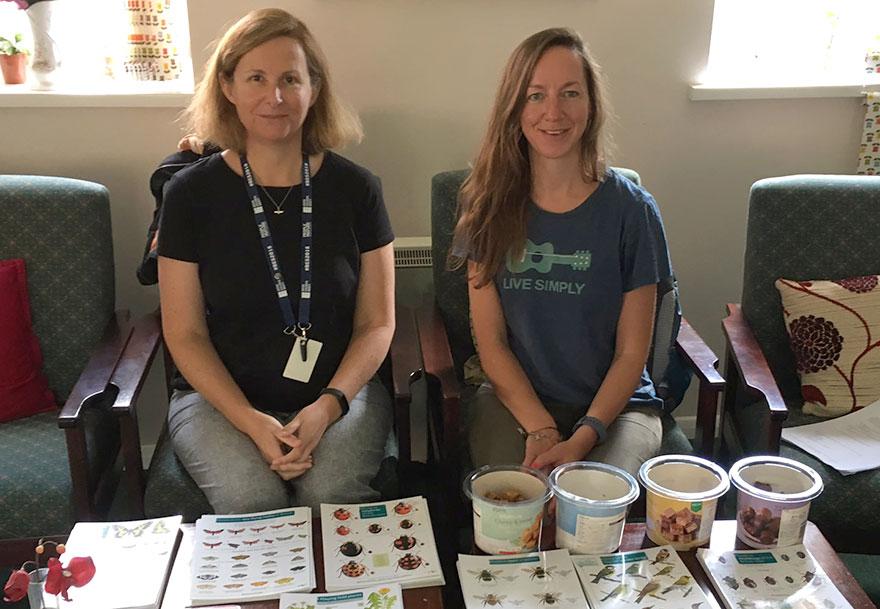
x=406, y=366
x=135, y=361
x=95, y=377
x=698, y=355
x=702, y=360
x=128, y=379
x=405, y=369
x=751, y=365
x=438, y=366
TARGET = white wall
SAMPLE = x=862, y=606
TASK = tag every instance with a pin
x=422, y=74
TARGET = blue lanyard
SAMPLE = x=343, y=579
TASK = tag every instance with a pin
x=305, y=297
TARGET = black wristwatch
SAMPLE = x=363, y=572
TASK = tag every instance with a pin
x=340, y=397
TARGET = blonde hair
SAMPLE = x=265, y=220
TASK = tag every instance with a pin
x=493, y=201
x=212, y=117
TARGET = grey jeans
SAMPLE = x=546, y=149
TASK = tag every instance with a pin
x=494, y=439
x=228, y=467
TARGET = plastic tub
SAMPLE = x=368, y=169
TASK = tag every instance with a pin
x=773, y=500
x=592, y=500
x=507, y=527
x=682, y=496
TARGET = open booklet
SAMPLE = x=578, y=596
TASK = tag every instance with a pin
x=537, y=579
x=782, y=578
x=371, y=543
x=381, y=596
x=251, y=557
x=639, y=578
x=132, y=562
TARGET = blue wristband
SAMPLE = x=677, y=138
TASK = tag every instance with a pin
x=597, y=426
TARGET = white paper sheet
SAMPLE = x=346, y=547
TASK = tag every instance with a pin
x=849, y=444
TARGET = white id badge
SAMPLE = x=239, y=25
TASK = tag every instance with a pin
x=296, y=368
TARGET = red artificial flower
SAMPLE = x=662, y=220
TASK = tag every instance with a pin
x=16, y=587
x=78, y=572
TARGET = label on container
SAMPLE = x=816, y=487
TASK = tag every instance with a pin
x=508, y=529
x=593, y=534
x=792, y=524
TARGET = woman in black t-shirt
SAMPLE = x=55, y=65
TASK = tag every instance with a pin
x=276, y=279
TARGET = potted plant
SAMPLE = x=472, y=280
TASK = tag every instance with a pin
x=13, y=60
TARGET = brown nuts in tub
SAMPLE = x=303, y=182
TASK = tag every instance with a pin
x=509, y=495
x=760, y=525
x=681, y=526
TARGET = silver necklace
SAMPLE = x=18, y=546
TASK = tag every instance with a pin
x=278, y=206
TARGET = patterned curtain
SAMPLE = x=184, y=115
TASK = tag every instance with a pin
x=869, y=149
x=152, y=47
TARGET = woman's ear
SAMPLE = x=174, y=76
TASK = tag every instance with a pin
x=226, y=87
x=316, y=90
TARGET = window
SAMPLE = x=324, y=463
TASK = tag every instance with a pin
x=777, y=43
x=111, y=46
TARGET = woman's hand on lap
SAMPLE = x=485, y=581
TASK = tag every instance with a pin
x=262, y=429
x=302, y=435
x=539, y=446
x=574, y=449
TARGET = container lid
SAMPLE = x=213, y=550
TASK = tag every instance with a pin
x=712, y=493
x=815, y=489
x=487, y=469
x=625, y=500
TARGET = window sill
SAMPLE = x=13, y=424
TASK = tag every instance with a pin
x=716, y=92
x=22, y=96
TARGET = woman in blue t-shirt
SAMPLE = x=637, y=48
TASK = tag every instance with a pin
x=563, y=257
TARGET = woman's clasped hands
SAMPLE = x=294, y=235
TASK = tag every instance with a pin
x=301, y=435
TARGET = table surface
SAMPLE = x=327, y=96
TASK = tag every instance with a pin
x=723, y=538
x=177, y=591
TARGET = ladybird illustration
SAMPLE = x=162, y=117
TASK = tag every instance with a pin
x=405, y=542
x=350, y=548
x=342, y=514
x=406, y=523
x=342, y=530
x=353, y=569
x=403, y=508
x=375, y=528
x=409, y=562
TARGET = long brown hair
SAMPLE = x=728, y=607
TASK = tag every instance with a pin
x=213, y=118
x=493, y=201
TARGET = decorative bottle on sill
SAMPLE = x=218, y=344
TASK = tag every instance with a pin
x=45, y=60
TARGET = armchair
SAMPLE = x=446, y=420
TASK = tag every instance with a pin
x=58, y=466
x=166, y=488
x=446, y=344
x=799, y=227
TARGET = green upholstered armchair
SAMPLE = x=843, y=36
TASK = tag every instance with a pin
x=446, y=344
x=799, y=227
x=55, y=468
x=166, y=488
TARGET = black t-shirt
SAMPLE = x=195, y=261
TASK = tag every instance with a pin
x=207, y=219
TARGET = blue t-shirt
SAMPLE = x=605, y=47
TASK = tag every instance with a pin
x=562, y=301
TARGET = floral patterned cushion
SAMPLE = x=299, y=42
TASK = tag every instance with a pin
x=833, y=328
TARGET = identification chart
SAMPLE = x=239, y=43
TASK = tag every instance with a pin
x=535, y=580
x=381, y=596
x=371, y=543
x=249, y=557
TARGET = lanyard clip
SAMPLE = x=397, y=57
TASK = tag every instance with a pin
x=303, y=340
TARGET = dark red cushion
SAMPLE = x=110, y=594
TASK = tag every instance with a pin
x=24, y=390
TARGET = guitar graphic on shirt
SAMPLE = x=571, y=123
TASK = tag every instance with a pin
x=542, y=258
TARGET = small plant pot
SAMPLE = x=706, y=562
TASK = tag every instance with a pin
x=13, y=67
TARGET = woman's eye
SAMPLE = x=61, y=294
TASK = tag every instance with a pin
x=290, y=80
x=535, y=97
x=571, y=93
x=255, y=77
